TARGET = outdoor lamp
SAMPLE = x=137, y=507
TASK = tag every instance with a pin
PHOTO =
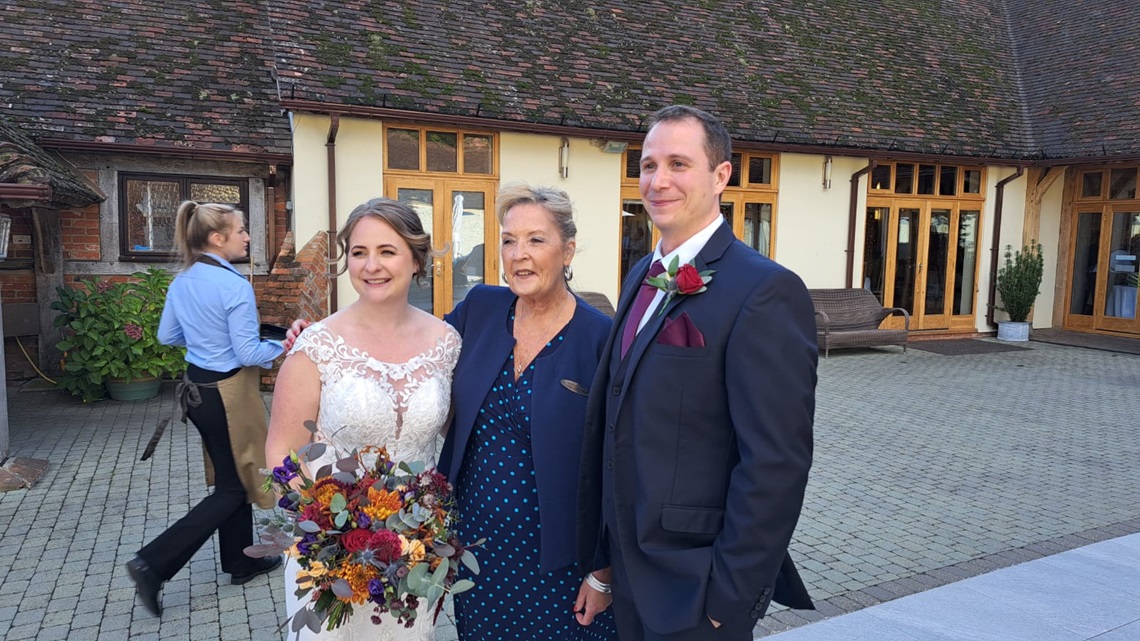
x=5, y=234
x=564, y=158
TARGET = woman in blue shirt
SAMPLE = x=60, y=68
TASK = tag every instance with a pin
x=210, y=309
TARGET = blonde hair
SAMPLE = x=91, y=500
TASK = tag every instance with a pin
x=555, y=201
x=194, y=224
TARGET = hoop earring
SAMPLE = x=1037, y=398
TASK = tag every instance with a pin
x=505, y=278
x=568, y=273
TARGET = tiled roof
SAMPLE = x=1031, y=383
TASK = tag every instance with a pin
x=1080, y=63
x=192, y=73
x=923, y=75
x=22, y=162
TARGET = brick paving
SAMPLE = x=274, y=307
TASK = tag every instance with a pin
x=929, y=469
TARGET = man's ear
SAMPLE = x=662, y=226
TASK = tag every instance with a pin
x=723, y=172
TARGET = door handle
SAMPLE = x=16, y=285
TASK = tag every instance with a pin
x=438, y=268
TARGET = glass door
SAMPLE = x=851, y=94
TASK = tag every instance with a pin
x=1120, y=256
x=459, y=214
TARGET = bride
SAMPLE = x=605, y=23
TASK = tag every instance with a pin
x=377, y=372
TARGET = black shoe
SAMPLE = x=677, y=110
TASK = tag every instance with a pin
x=260, y=566
x=147, y=585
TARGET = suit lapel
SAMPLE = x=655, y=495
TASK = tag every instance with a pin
x=717, y=244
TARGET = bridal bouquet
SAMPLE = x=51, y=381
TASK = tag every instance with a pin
x=376, y=534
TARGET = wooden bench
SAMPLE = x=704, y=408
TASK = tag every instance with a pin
x=851, y=318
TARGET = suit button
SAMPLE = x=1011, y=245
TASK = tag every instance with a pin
x=610, y=464
x=610, y=428
x=617, y=390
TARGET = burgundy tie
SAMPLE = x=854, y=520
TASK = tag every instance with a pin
x=644, y=297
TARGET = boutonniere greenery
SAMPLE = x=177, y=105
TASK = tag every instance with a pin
x=683, y=280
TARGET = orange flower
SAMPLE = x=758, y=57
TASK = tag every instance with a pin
x=310, y=577
x=357, y=577
x=323, y=491
x=413, y=549
x=382, y=504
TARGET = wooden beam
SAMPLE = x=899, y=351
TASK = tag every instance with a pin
x=1038, y=181
x=49, y=276
x=1064, y=251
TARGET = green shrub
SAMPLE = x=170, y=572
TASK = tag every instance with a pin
x=1019, y=280
x=110, y=330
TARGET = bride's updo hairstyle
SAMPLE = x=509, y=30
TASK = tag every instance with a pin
x=194, y=224
x=400, y=217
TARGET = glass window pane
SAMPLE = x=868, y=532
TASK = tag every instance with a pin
x=875, y=250
x=208, y=193
x=759, y=170
x=726, y=210
x=734, y=179
x=1122, y=184
x=972, y=181
x=422, y=202
x=937, y=260
x=468, y=226
x=403, y=149
x=1086, y=251
x=758, y=227
x=633, y=163
x=1123, y=263
x=926, y=179
x=965, y=269
x=906, y=255
x=904, y=179
x=636, y=234
x=948, y=181
x=442, y=151
x=150, y=209
x=1090, y=184
x=881, y=177
x=477, y=154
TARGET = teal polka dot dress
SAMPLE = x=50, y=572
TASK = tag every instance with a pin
x=498, y=500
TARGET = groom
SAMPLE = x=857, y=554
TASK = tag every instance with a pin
x=699, y=424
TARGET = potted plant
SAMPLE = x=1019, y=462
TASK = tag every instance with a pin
x=110, y=340
x=1018, y=283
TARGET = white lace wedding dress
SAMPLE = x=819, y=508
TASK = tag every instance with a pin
x=368, y=402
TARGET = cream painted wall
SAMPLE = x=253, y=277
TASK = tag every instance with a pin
x=359, y=176
x=811, y=222
x=594, y=184
x=1050, y=239
x=1012, y=224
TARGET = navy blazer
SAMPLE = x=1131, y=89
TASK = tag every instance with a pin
x=560, y=387
x=701, y=454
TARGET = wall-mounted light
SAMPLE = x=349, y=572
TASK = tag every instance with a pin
x=564, y=158
x=609, y=146
x=827, y=172
x=5, y=234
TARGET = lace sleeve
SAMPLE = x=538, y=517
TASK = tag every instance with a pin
x=452, y=345
x=318, y=344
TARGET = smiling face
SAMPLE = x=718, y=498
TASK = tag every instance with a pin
x=533, y=253
x=234, y=244
x=380, y=261
x=679, y=188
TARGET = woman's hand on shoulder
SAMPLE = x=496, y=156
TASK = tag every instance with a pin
x=293, y=332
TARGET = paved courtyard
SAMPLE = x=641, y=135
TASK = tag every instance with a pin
x=929, y=469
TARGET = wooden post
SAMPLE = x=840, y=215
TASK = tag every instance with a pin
x=49, y=276
x=3, y=397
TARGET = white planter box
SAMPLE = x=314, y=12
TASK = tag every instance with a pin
x=1013, y=332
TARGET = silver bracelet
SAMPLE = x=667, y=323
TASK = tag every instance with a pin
x=593, y=582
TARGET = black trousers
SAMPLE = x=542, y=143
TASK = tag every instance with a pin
x=631, y=625
x=227, y=510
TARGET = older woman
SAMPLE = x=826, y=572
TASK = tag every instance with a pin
x=519, y=397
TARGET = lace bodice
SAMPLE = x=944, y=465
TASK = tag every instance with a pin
x=365, y=401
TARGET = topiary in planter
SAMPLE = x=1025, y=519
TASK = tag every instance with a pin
x=1019, y=281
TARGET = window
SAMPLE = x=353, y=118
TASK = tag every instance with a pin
x=903, y=178
x=148, y=204
x=430, y=150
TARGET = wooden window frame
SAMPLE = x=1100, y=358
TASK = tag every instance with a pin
x=959, y=186
x=459, y=161
x=126, y=254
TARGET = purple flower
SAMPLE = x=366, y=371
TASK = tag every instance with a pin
x=362, y=520
x=289, y=464
x=283, y=475
x=376, y=590
x=285, y=504
x=305, y=545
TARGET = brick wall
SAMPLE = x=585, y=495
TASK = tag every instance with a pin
x=80, y=233
x=297, y=287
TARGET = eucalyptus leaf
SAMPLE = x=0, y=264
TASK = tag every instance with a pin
x=323, y=472
x=311, y=425
x=340, y=519
x=262, y=550
x=462, y=585
x=309, y=526
x=444, y=549
x=300, y=620
x=347, y=465
x=342, y=589
x=440, y=574
x=469, y=560
x=417, y=576
x=434, y=594
x=314, y=622
x=312, y=452
x=338, y=502
x=345, y=477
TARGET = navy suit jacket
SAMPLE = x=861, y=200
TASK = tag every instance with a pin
x=557, y=412
x=700, y=455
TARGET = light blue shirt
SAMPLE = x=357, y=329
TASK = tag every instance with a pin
x=212, y=312
x=686, y=252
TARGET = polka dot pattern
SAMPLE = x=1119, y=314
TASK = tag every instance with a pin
x=498, y=500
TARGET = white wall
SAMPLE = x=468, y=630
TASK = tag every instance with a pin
x=1050, y=239
x=1012, y=224
x=594, y=184
x=811, y=221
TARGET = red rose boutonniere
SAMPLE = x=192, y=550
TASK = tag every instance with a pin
x=684, y=280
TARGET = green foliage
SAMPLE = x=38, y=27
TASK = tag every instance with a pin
x=1019, y=280
x=110, y=330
